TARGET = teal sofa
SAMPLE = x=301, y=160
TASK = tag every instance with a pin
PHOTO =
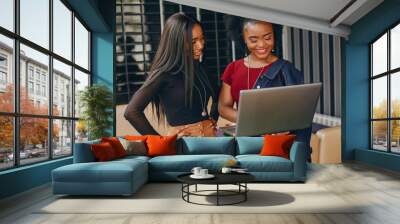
x=125, y=176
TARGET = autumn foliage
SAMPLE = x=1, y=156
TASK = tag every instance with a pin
x=33, y=131
x=380, y=128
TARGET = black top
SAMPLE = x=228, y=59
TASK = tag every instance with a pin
x=220, y=178
x=171, y=90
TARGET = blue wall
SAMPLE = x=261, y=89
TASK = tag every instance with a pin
x=103, y=64
x=100, y=17
x=103, y=53
x=24, y=178
x=356, y=84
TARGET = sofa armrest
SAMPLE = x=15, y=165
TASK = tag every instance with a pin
x=330, y=145
x=83, y=153
x=314, y=143
x=298, y=157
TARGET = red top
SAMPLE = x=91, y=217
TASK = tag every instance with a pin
x=235, y=75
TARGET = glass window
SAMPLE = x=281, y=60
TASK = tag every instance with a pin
x=37, y=89
x=81, y=45
x=385, y=92
x=379, y=56
x=379, y=133
x=40, y=62
x=3, y=78
x=6, y=142
x=37, y=74
x=35, y=142
x=395, y=95
x=3, y=72
x=7, y=14
x=33, y=139
x=43, y=90
x=61, y=74
x=81, y=131
x=6, y=74
x=30, y=71
x=62, y=138
x=395, y=136
x=3, y=61
x=395, y=47
x=379, y=100
x=30, y=87
x=35, y=21
x=62, y=29
x=81, y=81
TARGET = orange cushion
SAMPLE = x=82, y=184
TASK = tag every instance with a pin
x=161, y=145
x=277, y=145
x=136, y=137
x=116, y=145
x=103, y=151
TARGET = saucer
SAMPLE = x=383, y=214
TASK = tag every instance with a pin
x=208, y=176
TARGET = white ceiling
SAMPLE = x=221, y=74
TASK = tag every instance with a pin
x=321, y=9
x=315, y=15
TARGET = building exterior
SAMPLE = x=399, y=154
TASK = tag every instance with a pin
x=34, y=80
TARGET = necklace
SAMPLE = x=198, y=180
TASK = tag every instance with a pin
x=248, y=72
x=203, y=103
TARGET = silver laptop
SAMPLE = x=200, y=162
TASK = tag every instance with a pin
x=273, y=110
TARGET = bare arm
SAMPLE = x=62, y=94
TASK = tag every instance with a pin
x=225, y=103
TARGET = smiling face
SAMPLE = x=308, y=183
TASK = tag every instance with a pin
x=197, y=41
x=259, y=38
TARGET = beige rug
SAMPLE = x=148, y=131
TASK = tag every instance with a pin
x=166, y=198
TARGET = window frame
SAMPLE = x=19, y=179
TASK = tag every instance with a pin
x=388, y=74
x=16, y=114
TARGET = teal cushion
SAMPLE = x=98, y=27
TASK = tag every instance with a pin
x=249, y=145
x=133, y=157
x=83, y=152
x=185, y=163
x=206, y=145
x=257, y=163
x=111, y=171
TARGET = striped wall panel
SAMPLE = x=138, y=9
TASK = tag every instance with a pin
x=318, y=56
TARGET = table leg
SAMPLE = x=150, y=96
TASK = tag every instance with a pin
x=182, y=188
x=217, y=194
x=188, y=190
x=196, y=187
x=245, y=193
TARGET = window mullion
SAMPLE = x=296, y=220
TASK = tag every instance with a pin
x=16, y=84
x=389, y=101
x=17, y=73
x=50, y=81
x=73, y=82
x=371, y=140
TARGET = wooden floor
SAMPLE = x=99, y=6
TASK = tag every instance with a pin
x=377, y=188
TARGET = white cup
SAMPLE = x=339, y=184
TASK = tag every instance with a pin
x=203, y=172
x=226, y=170
x=196, y=171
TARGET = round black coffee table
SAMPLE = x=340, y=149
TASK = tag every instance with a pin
x=238, y=179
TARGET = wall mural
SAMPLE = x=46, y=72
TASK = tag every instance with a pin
x=184, y=83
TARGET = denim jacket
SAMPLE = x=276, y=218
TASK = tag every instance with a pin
x=283, y=73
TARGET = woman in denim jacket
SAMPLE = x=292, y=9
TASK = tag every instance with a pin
x=260, y=69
